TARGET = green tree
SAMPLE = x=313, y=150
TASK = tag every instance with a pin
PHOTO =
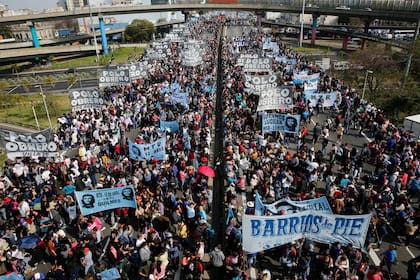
x=6, y=31
x=140, y=30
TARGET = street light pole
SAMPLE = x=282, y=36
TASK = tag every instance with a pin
x=45, y=105
x=94, y=33
x=301, y=24
x=364, y=85
x=36, y=118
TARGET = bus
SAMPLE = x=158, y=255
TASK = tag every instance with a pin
x=403, y=34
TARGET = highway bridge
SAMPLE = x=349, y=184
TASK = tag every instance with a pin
x=408, y=10
x=337, y=31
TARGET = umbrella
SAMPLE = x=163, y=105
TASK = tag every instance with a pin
x=207, y=171
x=28, y=242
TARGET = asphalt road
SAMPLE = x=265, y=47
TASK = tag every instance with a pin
x=58, y=87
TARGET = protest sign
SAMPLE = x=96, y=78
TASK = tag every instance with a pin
x=286, y=123
x=113, y=77
x=86, y=99
x=257, y=83
x=136, y=70
x=255, y=63
x=277, y=98
x=290, y=206
x=328, y=98
x=38, y=144
x=172, y=126
x=266, y=232
x=94, y=201
x=180, y=97
x=147, y=151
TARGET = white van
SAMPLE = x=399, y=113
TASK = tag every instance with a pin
x=355, y=42
x=341, y=65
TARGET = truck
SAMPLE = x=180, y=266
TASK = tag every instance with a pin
x=412, y=123
x=62, y=32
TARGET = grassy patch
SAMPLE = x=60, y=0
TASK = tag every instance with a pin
x=120, y=56
x=309, y=50
x=22, y=114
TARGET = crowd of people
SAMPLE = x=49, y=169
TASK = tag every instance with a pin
x=171, y=227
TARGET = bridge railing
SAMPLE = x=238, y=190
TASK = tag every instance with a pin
x=401, y=5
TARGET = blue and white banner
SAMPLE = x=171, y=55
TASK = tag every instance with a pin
x=94, y=201
x=147, y=151
x=286, y=60
x=291, y=206
x=172, y=126
x=280, y=122
x=300, y=79
x=328, y=98
x=110, y=274
x=266, y=232
x=310, y=87
x=277, y=98
x=180, y=97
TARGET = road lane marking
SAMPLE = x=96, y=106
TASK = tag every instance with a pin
x=409, y=251
x=374, y=257
x=367, y=138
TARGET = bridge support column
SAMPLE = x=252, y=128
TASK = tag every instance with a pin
x=35, y=41
x=363, y=46
x=260, y=16
x=345, y=42
x=186, y=14
x=103, y=35
x=314, y=27
x=366, y=27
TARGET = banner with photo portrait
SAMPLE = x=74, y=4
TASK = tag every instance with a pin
x=94, y=201
x=38, y=144
x=147, y=151
x=277, y=98
x=113, y=77
x=85, y=99
x=276, y=122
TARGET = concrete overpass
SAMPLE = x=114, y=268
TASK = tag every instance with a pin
x=24, y=54
x=335, y=30
x=408, y=11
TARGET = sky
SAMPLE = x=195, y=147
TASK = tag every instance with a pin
x=45, y=4
x=31, y=4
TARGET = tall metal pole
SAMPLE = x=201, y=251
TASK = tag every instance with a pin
x=410, y=56
x=94, y=33
x=36, y=118
x=301, y=24
x=46, y=107
x=364, y=85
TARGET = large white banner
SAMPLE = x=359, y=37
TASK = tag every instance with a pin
x=113, y=77
x=38, y=144
x=277, y=98
x=292, y=206
x=266, y=232
x=86, y=99
x=327, y=98
x=257, y=83
x=136, y=70
x=255, y=63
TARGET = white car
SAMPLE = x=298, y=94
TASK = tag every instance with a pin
x=342, y=8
